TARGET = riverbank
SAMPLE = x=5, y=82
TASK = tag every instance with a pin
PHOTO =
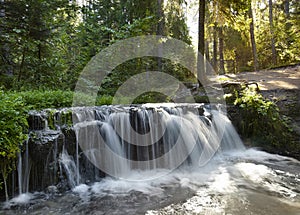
x=281, y=86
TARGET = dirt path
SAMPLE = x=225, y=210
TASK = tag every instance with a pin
x=283, y=78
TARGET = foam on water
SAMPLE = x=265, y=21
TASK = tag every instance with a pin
x=226, y=182
x=21, y=199
x=83, y=191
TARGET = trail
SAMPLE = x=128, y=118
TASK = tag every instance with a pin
x=287, y=78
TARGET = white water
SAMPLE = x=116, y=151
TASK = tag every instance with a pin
x=248, y=182
x=70, y=168
x=120, y=139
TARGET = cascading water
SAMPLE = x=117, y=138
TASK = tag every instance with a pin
x=121, y=139
x=20, y=173
x=70, y=167
x=136, y=148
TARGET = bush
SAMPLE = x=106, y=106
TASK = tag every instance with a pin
x=104, y=100
x=13, y=130
x=262, y=121
x=38, y=100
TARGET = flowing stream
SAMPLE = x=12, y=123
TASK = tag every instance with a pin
x=210, y=172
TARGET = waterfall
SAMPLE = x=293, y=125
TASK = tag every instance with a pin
x=148, y=159
x=118, y=140
x=27, y=169
x=20, y=169
x=23, y=170
x=70, y=168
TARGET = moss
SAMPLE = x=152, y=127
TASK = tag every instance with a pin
x=51, y=119
x=201, y=99
x=68, y=118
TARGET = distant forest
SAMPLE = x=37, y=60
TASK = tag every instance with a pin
x=46, y=44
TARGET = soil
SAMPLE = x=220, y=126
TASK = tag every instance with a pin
x=287, y=78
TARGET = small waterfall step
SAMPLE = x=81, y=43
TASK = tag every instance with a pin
x=83, y=144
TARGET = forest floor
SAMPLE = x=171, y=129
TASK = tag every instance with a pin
x=281, y=78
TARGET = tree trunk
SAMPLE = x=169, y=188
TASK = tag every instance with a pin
x=236, y=62
x=201, y=44
x=22, y=64
x=252, y=37
x=160, y=31
x=4, y=174
x=215, y=48
x=207, y=55
x=160, y=15
x=272, y=32
x=287, y=8
x=4, y=52
x=221, y=51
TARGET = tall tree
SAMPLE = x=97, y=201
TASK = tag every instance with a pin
x=201, y=44
x=160, y=30
x=221, y=50
x=222, y=16
x=252, y=38
x=215, y=47
x=274, y=58
x=30, y=33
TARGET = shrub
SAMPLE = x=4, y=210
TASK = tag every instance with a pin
x=46, y=99
x=262, y=121
x=104, y=100
x=13, y=130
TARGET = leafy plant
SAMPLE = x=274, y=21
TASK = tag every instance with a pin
x=104, y=100
x=262, y=121
x=13, y=131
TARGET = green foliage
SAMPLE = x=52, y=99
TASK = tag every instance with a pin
x=262, y=120
x=201, y=99
x=104, y=100
x=37, y=100
x=46, y=44
x=14, y=107
x=30, y=42
x=151, y=97
x=13, y=129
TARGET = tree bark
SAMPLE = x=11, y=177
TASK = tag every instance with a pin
x=201, y=44
x=221, y=51
x=215, y=48
x=160, y=15
x=160, y=31
x=252, y=37
x=287, y=8
x=272, y=32
x=4, y=174
x=207, y=55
